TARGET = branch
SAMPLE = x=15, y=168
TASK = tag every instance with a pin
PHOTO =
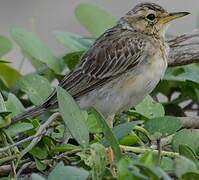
x=27, y=167
x=143, y=150
x=20, y=142
x=190, y=122
x=184, y=49
x=40, y=131
x=35, y=139
x=9, y=158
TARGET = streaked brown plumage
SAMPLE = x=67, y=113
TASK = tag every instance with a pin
x=122, y=66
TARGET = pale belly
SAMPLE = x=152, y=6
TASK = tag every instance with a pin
x=127, y=90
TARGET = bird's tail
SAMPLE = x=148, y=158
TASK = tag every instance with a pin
x=35, y=111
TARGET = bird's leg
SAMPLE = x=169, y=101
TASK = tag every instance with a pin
x=109, y=120
x=110, y=155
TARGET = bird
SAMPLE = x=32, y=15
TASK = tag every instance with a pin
x=121, y=67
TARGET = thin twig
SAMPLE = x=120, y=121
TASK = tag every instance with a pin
x=27, y=166
x=40, y=131
x=35, y=140
x=5, y=142
x=69, y=153
x=20, y=142
x=23, y=167
x=143, y=150
x=15, y=149
x=9, y=158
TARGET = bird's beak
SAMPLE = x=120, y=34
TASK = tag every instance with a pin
x=172, y=16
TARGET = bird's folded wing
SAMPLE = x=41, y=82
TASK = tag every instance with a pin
x=113, y=54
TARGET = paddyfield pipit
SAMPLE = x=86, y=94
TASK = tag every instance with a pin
x=121, y=67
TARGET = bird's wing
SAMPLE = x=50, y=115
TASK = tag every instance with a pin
x=114, y=53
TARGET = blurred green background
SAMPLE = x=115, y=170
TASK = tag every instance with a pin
x=44, y=17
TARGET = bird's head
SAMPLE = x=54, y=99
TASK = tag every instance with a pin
x=150, y=18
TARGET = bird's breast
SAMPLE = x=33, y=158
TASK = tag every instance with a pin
x=143, y=80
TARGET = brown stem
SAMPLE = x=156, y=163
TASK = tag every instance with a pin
x=24, y=167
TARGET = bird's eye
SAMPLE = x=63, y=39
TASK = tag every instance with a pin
x=151, y=17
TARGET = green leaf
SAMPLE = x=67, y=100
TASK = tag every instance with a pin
x=128, y=172
x=73, y=117
x=64, y=148
x=36, y=177
x=121, y=131
x=147, y=159
x=37, y=64
x=36, y=87
x=130, y=139
x=14, y=105
x=4, y=118
x=108, y=134
x=167, y=164
x=96, y=160
x=31, y=44
x=5, y=62
x=92, y=123
x=8, y=75
x=17, y=128
x=190, y=176
x=40, y=151
x=72, y=59
x=58, y=132
x=183, y=166
x=36, y=124
x=62, y=172
x=5, y=45
x=152, y=172
x=48, y=143
x=95, y=19
x=2, y=104
x=162, y=174
x=184, y=73
x=4, y=122
x=40, y=165
x=98, y=155
x=163, y=125
x=72, y=41
x=149, y=108
x=187, y=137
x=189, y=153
